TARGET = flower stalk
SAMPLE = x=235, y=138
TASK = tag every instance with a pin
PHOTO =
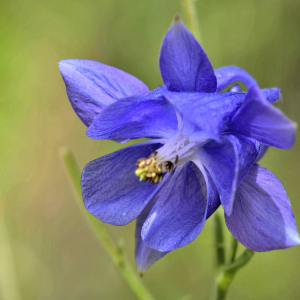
x=218, y=239
x=192, y=18
x=115, y=252
x=9, y=287
x=233, y=249
x=225, y=271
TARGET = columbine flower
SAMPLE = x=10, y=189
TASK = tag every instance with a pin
x=203, y=152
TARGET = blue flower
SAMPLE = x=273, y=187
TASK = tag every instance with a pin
x=203, y=151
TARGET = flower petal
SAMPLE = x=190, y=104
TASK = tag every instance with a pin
x=230, y=74
x=179, y=214
x=228, y=162
x=134, y=118
x=111, y=191
x=258, y=119
x=144, y=255
x=213, y=199
x=92, y=85
x=260, y=148
x=210, y=112
x=262, y=218
x=183, y=64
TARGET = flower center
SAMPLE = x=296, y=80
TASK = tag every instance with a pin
x=153, y=169
x=177, y=150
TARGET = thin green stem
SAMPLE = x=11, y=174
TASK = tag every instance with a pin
x=218, y=239
x=224, y=273
x=227, y=273
x=192, y=18
x=116, y=253
x=240, y=262
x=9, y=289
x=233, y=249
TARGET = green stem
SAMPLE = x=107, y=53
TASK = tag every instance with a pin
x=9, y=289
x=233, y=249
x=221, y=285
x=224, y=273
x=192, y=18
x=240, y=262
x=116, y=253
x=218, y=239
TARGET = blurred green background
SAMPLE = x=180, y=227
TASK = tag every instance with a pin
x=47, y=250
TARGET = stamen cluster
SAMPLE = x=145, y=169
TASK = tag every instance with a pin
x=153, y=169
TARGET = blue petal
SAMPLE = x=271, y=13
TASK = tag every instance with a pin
x=92, y=85
x=272, y=95
x=144, y=255
x=183, y=64
x=230, y=74
x=260, y=148
x=262, y=218
x=111, y=191
x=135, y=118
x=262, y=151
x=209, y=112
x=258, y=119
x=179, y=214
x=213, y=198
x=228, y=162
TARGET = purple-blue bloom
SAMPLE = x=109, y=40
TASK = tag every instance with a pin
x=203, y=150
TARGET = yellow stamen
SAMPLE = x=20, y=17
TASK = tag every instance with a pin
x=152, y=169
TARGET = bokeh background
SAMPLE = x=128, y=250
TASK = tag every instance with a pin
x=47, y=250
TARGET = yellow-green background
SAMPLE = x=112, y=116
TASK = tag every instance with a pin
x=47, y=250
